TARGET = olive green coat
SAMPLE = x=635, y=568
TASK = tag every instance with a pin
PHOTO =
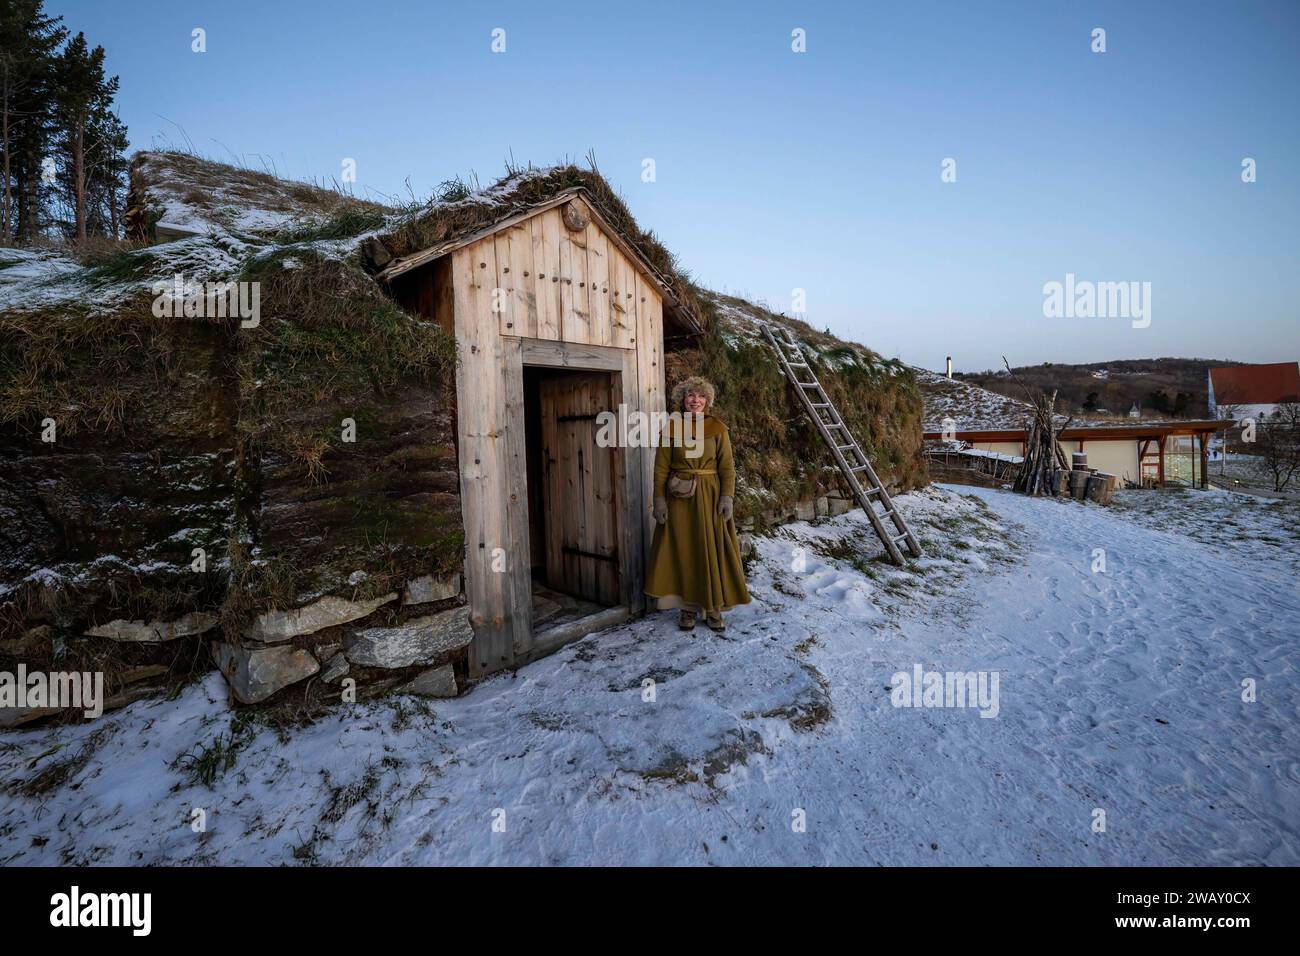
x=695, y=557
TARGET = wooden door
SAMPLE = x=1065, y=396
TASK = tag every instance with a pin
x=580, y=488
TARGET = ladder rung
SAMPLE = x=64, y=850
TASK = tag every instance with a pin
x=874, y=491
x=844, y=447
x=821, y=405
x=902, y=537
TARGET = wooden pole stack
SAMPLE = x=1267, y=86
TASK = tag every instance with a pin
x=1044, y=466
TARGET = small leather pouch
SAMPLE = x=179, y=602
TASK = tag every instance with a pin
x=681, y=487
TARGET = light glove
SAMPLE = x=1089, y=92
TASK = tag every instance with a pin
x=725, y=507
x=661, y=511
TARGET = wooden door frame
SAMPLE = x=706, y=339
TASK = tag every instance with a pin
x=620, y=365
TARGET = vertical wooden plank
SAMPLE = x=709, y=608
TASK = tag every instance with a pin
x=623, y=300
x=588, y=524
x=514, y=256
x=650, y=383
x=518, y=569
x=604, y=538
x=501, y=296
x=578, y=502
x=546, y=259
x=632, y=505
x=444, y=311
x=576, y=322
x=565, y=499
x=523, y=285
x=564, y=250
x=483, y=464
x=598, y=280
x=550, y=478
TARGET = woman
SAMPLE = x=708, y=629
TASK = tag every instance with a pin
x=695, y=558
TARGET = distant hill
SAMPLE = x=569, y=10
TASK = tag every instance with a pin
x=1163, y=387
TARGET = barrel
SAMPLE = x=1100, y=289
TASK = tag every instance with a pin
x=1078, y=484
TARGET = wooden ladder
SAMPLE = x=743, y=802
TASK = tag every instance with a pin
x=849, y=457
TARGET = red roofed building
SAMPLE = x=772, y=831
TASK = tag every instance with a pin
x=1253, y=391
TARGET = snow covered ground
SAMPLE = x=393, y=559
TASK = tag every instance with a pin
x=1119, y=690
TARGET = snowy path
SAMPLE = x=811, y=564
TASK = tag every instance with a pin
x=1118, y=690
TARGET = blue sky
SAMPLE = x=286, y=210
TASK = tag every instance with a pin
x=818, y=170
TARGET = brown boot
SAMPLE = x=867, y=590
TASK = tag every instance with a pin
x=686, y=620
x=715, y=621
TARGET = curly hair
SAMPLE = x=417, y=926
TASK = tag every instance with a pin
x=695, y=383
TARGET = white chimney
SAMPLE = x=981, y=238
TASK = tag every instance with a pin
x=950, y=366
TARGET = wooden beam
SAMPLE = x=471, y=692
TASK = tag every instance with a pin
x=1099, y=433
x=596, y=358
x=552, y=639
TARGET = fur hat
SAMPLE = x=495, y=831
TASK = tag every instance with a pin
x=695, y=383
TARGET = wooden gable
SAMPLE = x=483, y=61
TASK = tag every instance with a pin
x=563, y=274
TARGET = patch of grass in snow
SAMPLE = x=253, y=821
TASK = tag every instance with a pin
x=674, y=769
x=811, y=710
x=205, y=763
x=122, y=265
x=54, y=773
x=782, y=583
x=735, y=750
x=737, y=747
x=407, y=710
x=344, y=798
x=806, y=645
x=367, y=791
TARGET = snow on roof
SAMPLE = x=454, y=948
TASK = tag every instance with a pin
x=996, y=455
x=970, y=407
x=1256, y=384
x=188, y=194
x=742, y=324
x=228, y=216
x=31, y=280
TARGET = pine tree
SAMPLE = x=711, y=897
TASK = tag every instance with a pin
x=106, y=173
x=28, y=43
x=83, y=93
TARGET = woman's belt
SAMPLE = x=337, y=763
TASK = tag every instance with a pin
x=693, y=471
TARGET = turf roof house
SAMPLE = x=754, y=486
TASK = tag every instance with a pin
x=556, y=317
x=470, y=526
